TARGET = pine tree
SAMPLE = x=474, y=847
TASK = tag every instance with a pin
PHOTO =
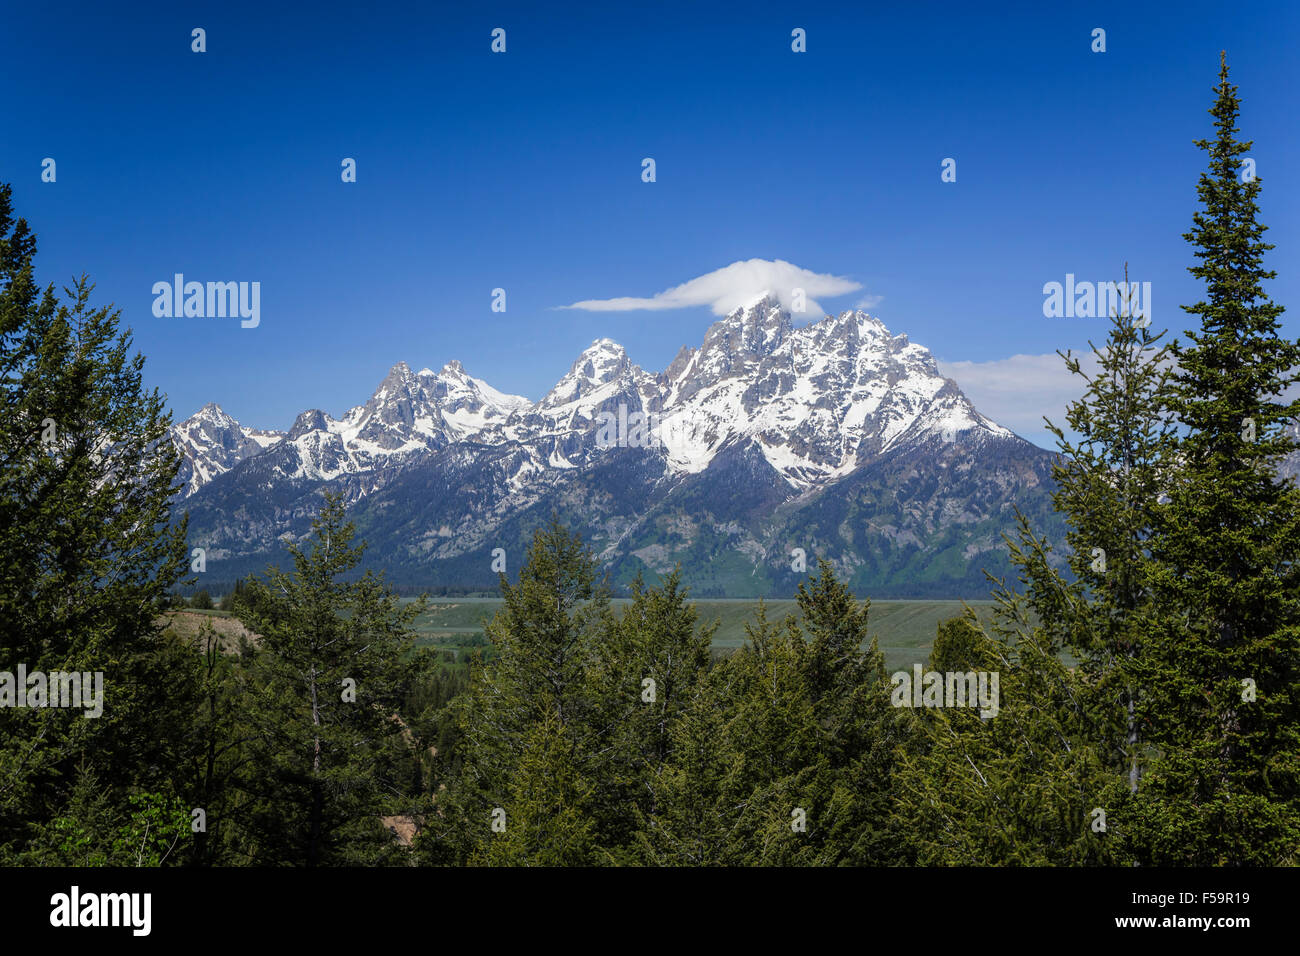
x=1221, y=677
x=1109, y=482
x=546, y=819
x=148, y=830
x=641, y=680
x=552, y=627
x=328, y=738
x=1020, y=786
x=958, y=645
x=218, y=748
x=1031, y=784
x=88, y=548
x=774, y=774
x=692, y=819
x=859, y=728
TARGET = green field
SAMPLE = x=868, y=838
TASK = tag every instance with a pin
x=905, y=629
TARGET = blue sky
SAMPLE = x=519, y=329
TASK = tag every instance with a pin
x=523, y=171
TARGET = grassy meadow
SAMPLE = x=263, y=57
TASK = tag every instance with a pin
x=905, y=629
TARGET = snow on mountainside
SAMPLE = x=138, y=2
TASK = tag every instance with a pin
x=837, y=437
x=815, y=400
x=211, y=443
x=407, y=415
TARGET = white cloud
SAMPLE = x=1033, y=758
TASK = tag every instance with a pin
x=1020, y=391
x=732, y=286
x=870, y=301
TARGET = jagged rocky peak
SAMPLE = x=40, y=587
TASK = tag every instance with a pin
x=813, y=401
x=211, y=423
x=212, y=412
x=733, y=346
x=397, y=400
x=456, y=389
x=600, y=363
x=679, y=363
x=756, y=328
x=453, y=382
x=212, y=442
x=400, y=379
x=309, y=421
x=602, y=360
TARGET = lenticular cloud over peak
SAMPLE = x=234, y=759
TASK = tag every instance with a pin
x=734, y=286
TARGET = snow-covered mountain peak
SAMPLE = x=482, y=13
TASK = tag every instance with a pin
x=600, y=364
x=313, y=419
x=211, y=442
x=214, y=414
x=757, y=327
x=816, y=402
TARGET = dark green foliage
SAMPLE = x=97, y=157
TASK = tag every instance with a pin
x=88, y=553
x=232, y=598
x=1181, y=719
x=327, y=742
x=148, y=829
x=1225, y=787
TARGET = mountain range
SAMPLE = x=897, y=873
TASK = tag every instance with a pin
x=835, y=439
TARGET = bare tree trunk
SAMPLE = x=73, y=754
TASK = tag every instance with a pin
x=314, y=841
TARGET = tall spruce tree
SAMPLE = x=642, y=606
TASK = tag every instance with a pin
x=329, y=742
x=1221, y=673
x=785, y=754
x=859, y=729
x=537, y=691
x=643, y=677
x=1024, y=786
x=88, y=550
x=1020, y=786
x=1109, y=480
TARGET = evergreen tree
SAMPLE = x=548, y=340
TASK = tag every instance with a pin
x=549, y=820
x=545, y=639
x=859, y=729
x=1020, y=786
x=786, y=754
x=1109, y=481
x=232, y=598
x=1031, y=784
x=149, y=830
x=774, y=776
x=218, y=749
x=88, y=549
x=328, y=740
x=1221, y=673
x=693, y=820
x=958, y=645
x=646, y=671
